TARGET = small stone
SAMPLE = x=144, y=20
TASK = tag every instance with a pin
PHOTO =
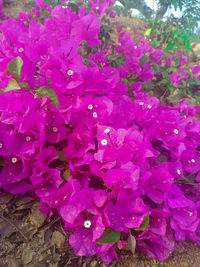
x=93, y=263
x=37, y=217
x=27, y=256
x=58, y=239
x=13, y=262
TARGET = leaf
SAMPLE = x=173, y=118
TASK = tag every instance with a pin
x=166, y=76
x=156, y=67
x=144, y=59
x=172, y=89
x=144, y=224
x=24, y=85
x=61, y=155
x=12, y=85
x=66, y=175
x=148, y=32
x=188, y=45
x=49, y=92
x=109, y=236
x=132, y=243
x=170, y=46
x=155, y=44
x=73, y=6
x=15, y=66
x=184, y=83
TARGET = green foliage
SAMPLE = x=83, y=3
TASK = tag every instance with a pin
x=15, y=66
x=144, y=224
x=109, y=236
x=12, y=85
x=170, y=35
x=49, y=92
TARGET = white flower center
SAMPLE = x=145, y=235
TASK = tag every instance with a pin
x=90, y=106
x=107, y=130
x=175, y=131
x=97, y=7
x=28, y=138
x=14, y=160
x=193, y=160
x=55, y=129
x=94, y=115
x=141, y=103
x=87, y=224
x=70, y=72
x=149, y=106
x=179, y=172
x=104, y=142
x=21, y=50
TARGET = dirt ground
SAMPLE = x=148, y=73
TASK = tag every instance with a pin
x=29, y=239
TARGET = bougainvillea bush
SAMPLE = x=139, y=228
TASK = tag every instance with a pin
x=113, y=162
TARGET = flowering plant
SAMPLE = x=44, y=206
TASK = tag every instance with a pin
x=112, y=161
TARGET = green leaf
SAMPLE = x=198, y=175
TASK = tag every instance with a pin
x=12, y=85
x=170, y=46
x=49, y=92
x=61, y=155
x=184, y=83
x=166, y=76
x=65, y=174
x=144, y=224
x=188, y=45
x=144, y=59
x=73, y=6
x=15, y=66
x=171, y=89
x=156, y=67
x=155, y=44
x=109, y=236
x=148, y=32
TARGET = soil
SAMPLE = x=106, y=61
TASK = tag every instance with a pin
x=29, y=239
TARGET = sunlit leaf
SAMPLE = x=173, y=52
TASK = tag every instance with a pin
x=148, y=32
x=49, y=92
x=15, y=66
x=12, y=85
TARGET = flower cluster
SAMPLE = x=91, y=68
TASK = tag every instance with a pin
x=108, y=163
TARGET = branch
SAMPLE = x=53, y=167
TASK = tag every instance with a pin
x=139, y=5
